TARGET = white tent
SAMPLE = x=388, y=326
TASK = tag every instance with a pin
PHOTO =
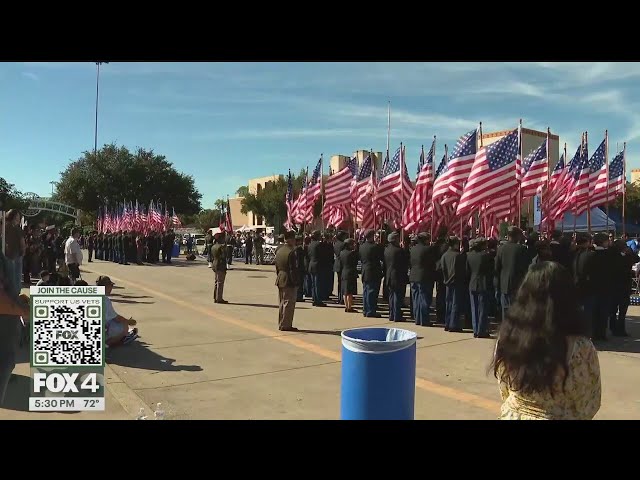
x=599, y=222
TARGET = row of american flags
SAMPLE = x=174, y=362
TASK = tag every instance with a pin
x=131, y=216
x=473, y=183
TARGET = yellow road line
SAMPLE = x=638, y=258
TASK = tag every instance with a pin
x=421, y=383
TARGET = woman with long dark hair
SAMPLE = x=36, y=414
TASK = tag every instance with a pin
x=546, y=365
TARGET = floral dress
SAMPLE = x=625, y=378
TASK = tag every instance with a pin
x=580, y=399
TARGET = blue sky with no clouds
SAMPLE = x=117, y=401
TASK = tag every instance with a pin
x=224, y=123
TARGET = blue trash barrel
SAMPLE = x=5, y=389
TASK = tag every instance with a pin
x=378, y=374
x=176, y=250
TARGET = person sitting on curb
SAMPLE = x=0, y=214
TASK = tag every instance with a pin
x=117, y=327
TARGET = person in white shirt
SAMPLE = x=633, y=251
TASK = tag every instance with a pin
x=73, y=255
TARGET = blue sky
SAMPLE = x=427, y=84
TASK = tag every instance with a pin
x=224, y=123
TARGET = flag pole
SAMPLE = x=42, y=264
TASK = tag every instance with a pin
x=518, y=175
x=402, y=172
x=548, y=183
x=624, y=187
x=481, y=214
x=586, y=144
x=373, y=173
x=433, y=179
x=566, y=166
x=606, y=162
x=322, y=191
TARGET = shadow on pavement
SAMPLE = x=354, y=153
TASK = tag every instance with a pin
x=120, y=300
x=138, y=355
x=262, y=305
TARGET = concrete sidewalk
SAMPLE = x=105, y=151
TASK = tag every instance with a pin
x=209, y=361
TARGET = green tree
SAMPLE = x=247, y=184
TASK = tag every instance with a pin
x=632, y=203
x=116, y=174
x=220, y=204
x=269, y=201
x=242, y=191
x=10, y=197
x=207, y=219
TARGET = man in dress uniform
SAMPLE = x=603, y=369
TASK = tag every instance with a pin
x=91, y=244
x=258, y=243
x=287, y=281
x=422, y=277
x=439, y=248
x=326, y=266
x=219, y=267
x=583, y=275
x=315, y=257
x=510, y=267
x=396, y=261
x=126, y=248
x=300, y=259
x=371, y=256
x=623, y=260
x=479, y=270
x=454, y=274
x=248, y=249
x=338, y=246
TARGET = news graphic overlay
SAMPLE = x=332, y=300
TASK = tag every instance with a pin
x=67, y=349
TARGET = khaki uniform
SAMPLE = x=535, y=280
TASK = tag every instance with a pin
x=287, y=281
x=219, y=267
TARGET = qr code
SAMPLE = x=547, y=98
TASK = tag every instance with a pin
x=67, y=332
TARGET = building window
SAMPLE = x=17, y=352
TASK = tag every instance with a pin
x=259, y=220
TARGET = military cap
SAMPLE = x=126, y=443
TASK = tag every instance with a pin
x=281, y=237
x=288, y=235
x=349, y=241
x=370, y=234
x=424, y=236
x=393, y=237
x=315, y=233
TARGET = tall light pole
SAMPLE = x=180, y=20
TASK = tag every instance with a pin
x=52, y=183
x=95, y=138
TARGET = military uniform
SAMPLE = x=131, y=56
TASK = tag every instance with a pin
x=315, y=257
x=422, y=277
x=219, y=267
x=287, y=281
x=338, y=246
x=479, y=269
x=396, y=261
x=371, y=256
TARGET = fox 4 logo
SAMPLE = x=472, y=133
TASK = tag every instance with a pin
x=65, y=382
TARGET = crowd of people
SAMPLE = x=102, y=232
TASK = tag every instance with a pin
x=470, y=280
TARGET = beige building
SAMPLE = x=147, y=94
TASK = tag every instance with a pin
x=250, y=219
x=338, y=162
x=531, y=139
x=635, y=175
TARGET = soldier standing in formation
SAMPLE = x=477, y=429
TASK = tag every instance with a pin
x=287, y=281
x=315, y=270
x=479, y=274
x=371, y=256
x=422, y=278
x=396, y=260
x=219, y=267
x=338, y=245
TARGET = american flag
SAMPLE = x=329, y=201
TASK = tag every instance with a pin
x=439, y=213
x=449, y=185
x=493, y=173
x=300, y=204
x=361, y=191
x=416, y=209
x=562, y=188
x=338, y=188
x=578, y=184
x=176, y=221
x=395, y=188
x=289, y=203
x=314, y=186
x=597, y=167
x=336, y=215
x=554, y=192
x=602, y=194
x=534, y=172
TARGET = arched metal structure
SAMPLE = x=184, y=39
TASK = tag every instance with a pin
x=39, y=204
